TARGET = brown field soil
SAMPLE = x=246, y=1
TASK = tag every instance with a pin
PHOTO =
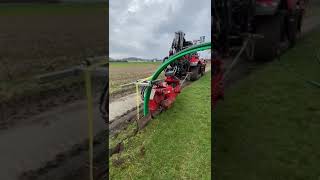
x=123, y=73
x=31, y=45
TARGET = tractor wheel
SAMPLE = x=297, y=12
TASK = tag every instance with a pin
x=267, y=48
x=292, y=28
x=195, y=73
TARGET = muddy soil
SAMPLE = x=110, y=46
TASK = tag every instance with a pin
x=15, y=112
x=35, y=44
x=73, y=164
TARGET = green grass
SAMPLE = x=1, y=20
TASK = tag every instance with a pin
x=51, y=9
x=268, y=127
x=175, y=145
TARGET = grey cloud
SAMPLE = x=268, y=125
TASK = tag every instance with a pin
x=145, y=28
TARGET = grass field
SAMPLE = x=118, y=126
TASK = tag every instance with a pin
x=175, y=145
x=126, y=72
x=268, y=125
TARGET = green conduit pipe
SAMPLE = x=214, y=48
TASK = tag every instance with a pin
x=196, y=48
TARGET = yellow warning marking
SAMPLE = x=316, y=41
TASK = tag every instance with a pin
x=137, y=95
x=138, y=102
x=88, y=85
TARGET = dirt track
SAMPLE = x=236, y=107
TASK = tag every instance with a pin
x=32, y=146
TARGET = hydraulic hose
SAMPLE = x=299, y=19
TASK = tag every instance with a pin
x=196, y=48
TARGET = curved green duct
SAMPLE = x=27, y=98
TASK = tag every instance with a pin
x=196, y=48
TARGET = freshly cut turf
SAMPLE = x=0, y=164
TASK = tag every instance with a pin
x=175, y=145
x=268, y=126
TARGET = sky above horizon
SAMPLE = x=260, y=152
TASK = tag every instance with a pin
x=145, y=28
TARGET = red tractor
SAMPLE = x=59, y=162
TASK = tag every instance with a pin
x=197, y=66
x=258, y=29
x=164, y=92
x=189, y=64
x=270, y=24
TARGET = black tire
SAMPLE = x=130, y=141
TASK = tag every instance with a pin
x=267, y=47
x=292, y=28
x=194, y=73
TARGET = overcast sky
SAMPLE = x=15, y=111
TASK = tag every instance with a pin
x=145, y=28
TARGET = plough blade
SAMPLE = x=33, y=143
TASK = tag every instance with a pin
x=142, y=122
